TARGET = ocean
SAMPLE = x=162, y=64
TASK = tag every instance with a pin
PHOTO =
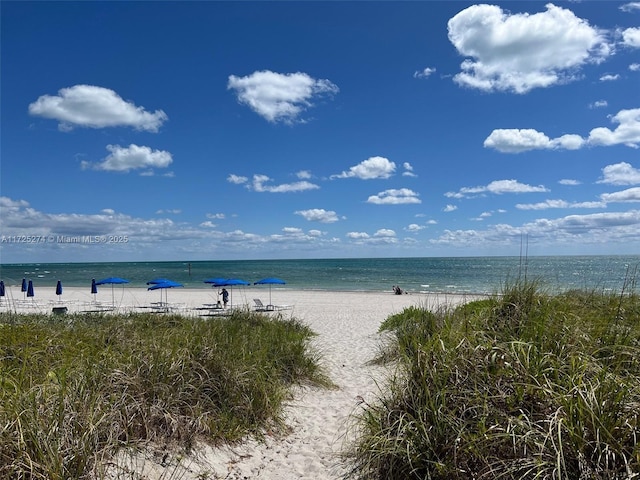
x=485, y=275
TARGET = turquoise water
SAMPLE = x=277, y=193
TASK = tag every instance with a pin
x=452, y=275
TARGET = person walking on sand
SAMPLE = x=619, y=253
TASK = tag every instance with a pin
x=225, y=297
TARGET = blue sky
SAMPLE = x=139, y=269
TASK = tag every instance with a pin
x=258, y=130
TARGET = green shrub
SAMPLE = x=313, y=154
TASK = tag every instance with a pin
x=524, y=385
x=76, y=389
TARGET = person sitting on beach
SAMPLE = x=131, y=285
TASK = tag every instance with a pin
x=397, y=290
x=225, y=297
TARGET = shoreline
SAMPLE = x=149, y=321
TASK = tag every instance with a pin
x=192, y=301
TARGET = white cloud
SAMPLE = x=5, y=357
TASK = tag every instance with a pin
x=609, y=77
x=394, y=196
x=279, y=97
x=520, y=52
x=408, y=170
x=521, y=140
x=357, y=235
x=318, y=215
x=626, y=133
x=631, y=37
x=568, y=181
x=450, y=208
x=385, y=232
x=260, y=185
x=599, y=104
x=237, y=179
x=95, y=107
x=630, y=195
x=497, y=187
x=304, y=175
x=548, y=204
x=634, y=67
x=425, y=73
x=133, y=157
x=369, y=169
x=216, y=216
x=414, y=227
x=620, y=174
x=630, y=7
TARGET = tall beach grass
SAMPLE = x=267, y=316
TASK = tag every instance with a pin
x=76, y=389
x=522, y=385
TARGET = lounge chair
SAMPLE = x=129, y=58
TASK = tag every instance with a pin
x=261, y=307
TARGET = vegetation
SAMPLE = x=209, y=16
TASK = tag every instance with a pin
x=75, y=389
x=523, y=385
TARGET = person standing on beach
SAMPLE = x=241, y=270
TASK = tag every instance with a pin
x=225, y=297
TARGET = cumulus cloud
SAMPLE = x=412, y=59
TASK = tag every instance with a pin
x=497, y=187
x=395, y=196
x=634, y=67
x=318, y=215
x=521, y=140
x=408, y=170
x=261, y=184
x=548, y=204
x=609, y=77
x=630, y=195
x=620, y=174
x=133, y=157
x=369, y=169
x=631, y=37
x=516, y=140
x=237, y=179
x=626, y=133
x=279, y=97
x=568, y=181
x=450, y=208
x=357, y=235
x=520, y=52
x=95, y=107
x=414, y=227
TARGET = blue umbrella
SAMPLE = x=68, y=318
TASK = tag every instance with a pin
x=1, y=289
x=161, y=285
x=112, y=281
x=270, y=281
x=23, y=289
x=230, y=282
x=59, y=289
x=30, y=289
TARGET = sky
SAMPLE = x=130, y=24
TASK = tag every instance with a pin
x=219, y=130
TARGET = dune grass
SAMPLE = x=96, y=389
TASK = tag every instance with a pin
x=75, y=389
x=523, y=385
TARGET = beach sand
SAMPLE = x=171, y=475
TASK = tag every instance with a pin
x=318, y=419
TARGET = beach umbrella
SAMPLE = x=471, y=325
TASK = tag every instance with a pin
x=163, y=285
x=270, y=281
x=23, y=289
x=30, y=292
x=230, y=282
x=59, y=289
x=112, y=281
x=2, y=292
x=94, y=288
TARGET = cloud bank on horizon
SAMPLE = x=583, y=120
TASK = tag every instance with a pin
x=315, y=144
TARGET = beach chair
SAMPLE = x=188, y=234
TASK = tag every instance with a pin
x=261, y=307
